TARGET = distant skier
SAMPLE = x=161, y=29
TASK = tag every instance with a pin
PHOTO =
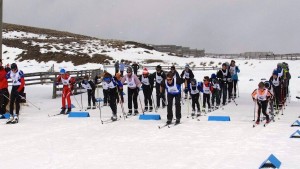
x=234, y=70
x=174, y=71
x=215, y=96
x=173, y=87
x=135, y=67
x=134, y=85
x=68, y=84
x=261, y=96
x=159, y=77
x=117, y=67
x=276, y=84
x=4, y=95
x=117, y=79
x=187, y=74
x=122, y=68
x=113, y=93
x=195, y=88
x=90, y=87
x=223, y=76
x=17, y=91
x=147, y=86
x=207, y=89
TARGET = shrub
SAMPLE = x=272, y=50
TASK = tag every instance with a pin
x=153, y=61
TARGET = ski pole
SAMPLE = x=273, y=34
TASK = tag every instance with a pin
x=76, y=100
x=188, y=106
x=140, y=103
x=153, y=102
x=234, y=102
x=28, y=101
x=254, y=110
x=238, y=88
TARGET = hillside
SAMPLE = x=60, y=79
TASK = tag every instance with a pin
x=44, y=45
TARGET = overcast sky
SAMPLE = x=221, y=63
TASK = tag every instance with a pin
x=218, y=26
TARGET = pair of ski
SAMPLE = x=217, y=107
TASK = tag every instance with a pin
x=58, y=114
x=265, y=124
x=12, y=122
x=109, y=120
x=168, y=125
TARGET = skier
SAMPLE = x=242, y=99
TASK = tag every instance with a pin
x=4, y=95
x=117, y=79
x=135, y=67
x=285, y=80
x=122, y=68
x=90, y=87
x=134, y=85
x=261, y=96
x=271, y=101
x=159, y=77
x=174, y=71
x=234, y=70
x=17, y=91
x=188, y=74
x=195, y=88
x=68, y=83
x=113, y=93
x=147, y=86
x=222, y=76
x=117, y=67
x=276, y=84
x=215, y=97
x=173, y=86
x=207, y=89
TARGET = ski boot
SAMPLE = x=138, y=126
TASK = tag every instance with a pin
x=136, y=112
x=151, y=109
x=10, y=120
x=15, y=120
x=94, y=107
x=129, y=112
x=209, y=109
x=69, y=110
x=193, y=112
x=217, y=107
x=169, y=121
x=146, y=109
x=114, y=117
x=177, y=121
x=63, y=110
x=198, y=113
x=89, y=107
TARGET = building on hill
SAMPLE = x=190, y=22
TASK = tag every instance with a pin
x=179, y=50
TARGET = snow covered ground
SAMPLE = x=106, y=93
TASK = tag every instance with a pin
x=39, y=141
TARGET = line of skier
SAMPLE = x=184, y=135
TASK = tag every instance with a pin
x=272, y=93
x=169, y=86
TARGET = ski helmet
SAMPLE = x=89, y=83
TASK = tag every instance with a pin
x=158, y=67
x=193, y=81
x=187, y=66
x=275, y=72
x=213, y=76
x=62, y=71
x=13, y=66
x=145, y=71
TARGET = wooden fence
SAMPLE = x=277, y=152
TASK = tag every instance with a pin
x=50, y=77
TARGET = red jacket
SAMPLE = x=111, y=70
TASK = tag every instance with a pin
x=3, y=80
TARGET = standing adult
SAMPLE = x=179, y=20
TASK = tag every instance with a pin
x=117, y=67
x=135, y=67
x=4, y=95
x=133, y=90
x=17, y=90
x=234, y=70
x=223, y=76
x=147, y=86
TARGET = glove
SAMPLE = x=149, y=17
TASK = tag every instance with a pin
x=186, y=90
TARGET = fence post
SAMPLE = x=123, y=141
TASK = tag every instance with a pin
x=54, y=87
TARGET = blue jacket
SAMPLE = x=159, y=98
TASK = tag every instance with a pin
x=122, y=66
x=235, y=76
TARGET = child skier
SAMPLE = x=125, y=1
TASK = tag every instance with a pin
x=89, y=85
x=117, y=79
x=147, y=86
x=276, y=83
x=173, y=86
x=113, y=93
x=187, y=74
x=17, y=91
x=215, y=97
x=207, y=89
x=68, y=83
x=261, y=96
x=195, y=89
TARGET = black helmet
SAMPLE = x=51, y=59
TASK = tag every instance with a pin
x=193, y=81
x=13, y=66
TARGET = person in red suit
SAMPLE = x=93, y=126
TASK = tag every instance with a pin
x=68, y=83
x=4, y=95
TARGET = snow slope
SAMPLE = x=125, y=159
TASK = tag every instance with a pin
x=39, y=141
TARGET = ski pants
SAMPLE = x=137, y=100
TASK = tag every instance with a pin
x=234, y=86
x=223, y=92
x=262, y=107
x=177, y=106
x=206, y=99
x=91, y=96
x=157, y=87
x=215, y=96
x=132, y=96
x=112, y=100
x=230, y=87
x=147, y=95
x=105, y=95
x=195, y=101
x=15, y=100
x=277, y=94
x=4, y=95
x=66, y=95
